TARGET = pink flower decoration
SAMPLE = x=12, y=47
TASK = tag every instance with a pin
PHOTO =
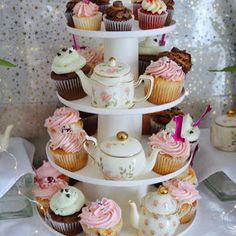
x=105, y=96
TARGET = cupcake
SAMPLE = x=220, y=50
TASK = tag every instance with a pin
x=69, y=12
x=136, y=5
x=168, y=80
x=101, y=218
x=159, y=121
x=64, y=65
x=170, y=10
x=184, y=192
x=152, y=14
x=93, y=56
x=44, y=189
x=188, y=175
x=86, y=16
x=149, y=50
x=188, y=132
x=64, y=209
x=67, y=138
x=102, y=4
x=118, y=17
x=172, y=155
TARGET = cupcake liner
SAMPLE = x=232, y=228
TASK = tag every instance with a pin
x=89, y=22
x=114, y=231
x=142, y=66
x=103, y=7
x=169, y=16
x=70, y=161
x=136, y=6
x=70, y=89
x=66, y=228
x=111, y=25
x=164, y=90
x=166, y=164
x=42, y=203
x=188, y=217
x=151, y=21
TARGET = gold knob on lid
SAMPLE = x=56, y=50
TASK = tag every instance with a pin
x=112, y=61
x=162, y=190
x=230, y=112
x=122, y=136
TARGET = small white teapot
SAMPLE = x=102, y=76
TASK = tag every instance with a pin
x=112, y=85
x=158, y=214
x=120, y=157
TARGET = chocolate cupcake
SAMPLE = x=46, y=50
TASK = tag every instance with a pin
x=64, y=210
x=69, y=12
x=102, y=4
x=64, y=65
x=118, y=17
x=170, y=10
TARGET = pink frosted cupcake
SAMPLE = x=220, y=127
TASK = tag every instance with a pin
x=183, y=191
x=172, y=155
x=44, y=189
x=93, y=56
x=101, y=218
x=86, y=16
x=67, y=137
x=152, y=14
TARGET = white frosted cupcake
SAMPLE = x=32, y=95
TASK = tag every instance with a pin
x=86, y=16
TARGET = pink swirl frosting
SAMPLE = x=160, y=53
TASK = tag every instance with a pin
x=85, y=8
x=61, y=117
x=166, y=68
x=167, y=145
x=68, y=140
x=182, y=190
x=47, y=170
x=46, y=187
x=93, y=56
x=102, y=214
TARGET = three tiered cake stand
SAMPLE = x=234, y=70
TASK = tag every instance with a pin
x=124, y=47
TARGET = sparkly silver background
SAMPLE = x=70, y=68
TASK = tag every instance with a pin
x=31, y=33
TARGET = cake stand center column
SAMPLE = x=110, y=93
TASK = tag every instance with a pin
x=124, y=50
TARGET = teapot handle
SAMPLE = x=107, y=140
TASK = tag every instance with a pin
x=87, y=146
x=182, y=212
x=150, y=87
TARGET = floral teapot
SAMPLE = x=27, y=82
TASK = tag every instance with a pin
x=158, y=214
x=120, y=157
x=112, y=85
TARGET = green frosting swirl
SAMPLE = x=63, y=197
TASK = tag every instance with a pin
x=67, y=201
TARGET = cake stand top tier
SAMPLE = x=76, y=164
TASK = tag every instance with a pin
x=136, y=32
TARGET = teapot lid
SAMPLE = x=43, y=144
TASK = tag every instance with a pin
x=121, y=146
x=112, y=69
x=228, y=120
x=160, y=202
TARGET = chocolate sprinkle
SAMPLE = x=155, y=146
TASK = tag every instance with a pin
x=58, y=54
x=68, y=195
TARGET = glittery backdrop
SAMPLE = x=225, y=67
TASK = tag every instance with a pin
x=32, y=32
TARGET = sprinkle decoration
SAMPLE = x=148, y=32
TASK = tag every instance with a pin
x=74, y=43
x=207, y=110
x=162, y=41
x=178, y=127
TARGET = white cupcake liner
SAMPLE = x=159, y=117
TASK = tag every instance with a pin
x=89, y=22
x=111, y=25
x=151, y=21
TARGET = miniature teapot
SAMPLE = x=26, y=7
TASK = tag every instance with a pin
x=4, y=138
x=112, y=85
x=158, y=214
x=120, y=157
x=223, y=132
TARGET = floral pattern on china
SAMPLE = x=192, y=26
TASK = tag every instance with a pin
x=120, y=157
x=112, y=85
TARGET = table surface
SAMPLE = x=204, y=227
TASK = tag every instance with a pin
x=208, y=221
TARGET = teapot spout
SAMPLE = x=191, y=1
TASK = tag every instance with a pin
x=85, y=81
x=134, y=215
x=151, y=160
x=4, y=138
